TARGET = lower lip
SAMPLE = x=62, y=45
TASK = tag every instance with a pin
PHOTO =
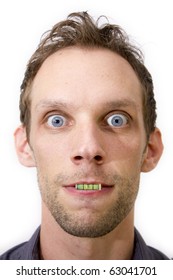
x=74, y=191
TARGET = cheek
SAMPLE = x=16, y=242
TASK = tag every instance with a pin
x=127, y=154
x=124, y=146
x=49, y=153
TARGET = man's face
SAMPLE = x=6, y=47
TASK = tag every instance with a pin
x=87, y=128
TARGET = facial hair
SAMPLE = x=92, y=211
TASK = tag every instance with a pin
x=98, y=224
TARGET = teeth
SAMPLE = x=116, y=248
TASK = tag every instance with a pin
x=88, y=186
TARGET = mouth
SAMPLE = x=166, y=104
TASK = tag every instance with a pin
x=89, y=187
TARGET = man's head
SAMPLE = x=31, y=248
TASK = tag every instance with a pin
x=85, y=106
x=80, y=30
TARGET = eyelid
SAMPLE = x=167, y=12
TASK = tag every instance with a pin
x=119, y=112
x=54, y=113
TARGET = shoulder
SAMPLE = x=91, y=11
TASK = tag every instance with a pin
x=25, y=251
x=156, y=254
x=144, y=252
x=14, y=253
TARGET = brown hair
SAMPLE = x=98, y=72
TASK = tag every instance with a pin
x=79, y=29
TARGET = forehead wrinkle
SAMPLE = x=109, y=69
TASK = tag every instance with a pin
x=53, y=104
x=108, y=105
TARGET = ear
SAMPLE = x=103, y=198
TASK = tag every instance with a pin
x=23, y=149
x=153, y=151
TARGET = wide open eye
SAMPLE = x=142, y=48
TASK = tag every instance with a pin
x=56, y=121
x=117, y=120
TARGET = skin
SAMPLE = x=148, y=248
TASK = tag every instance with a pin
x=87, y=88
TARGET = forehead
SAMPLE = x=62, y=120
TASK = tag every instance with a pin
x=86, y=76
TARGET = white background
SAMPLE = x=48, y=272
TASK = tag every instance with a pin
x=22, y=23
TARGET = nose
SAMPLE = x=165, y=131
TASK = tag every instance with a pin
x=88, y=147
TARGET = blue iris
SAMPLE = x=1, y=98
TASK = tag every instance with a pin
x=56, y=121
x=117, y=120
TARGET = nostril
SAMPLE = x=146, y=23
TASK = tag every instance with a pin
x=78, y=158
x=98, y=158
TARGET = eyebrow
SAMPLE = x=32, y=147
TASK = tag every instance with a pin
x=58, y=104
x=123, y=103
x=52, y=104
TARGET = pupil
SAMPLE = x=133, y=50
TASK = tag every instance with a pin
x=57, y=121
x=117, y=121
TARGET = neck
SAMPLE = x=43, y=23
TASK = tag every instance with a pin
x=56, y=244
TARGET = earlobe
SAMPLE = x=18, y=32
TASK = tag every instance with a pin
x=153, y=151
x=23, y=149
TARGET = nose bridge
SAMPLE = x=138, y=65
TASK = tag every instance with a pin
x=87, y=142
